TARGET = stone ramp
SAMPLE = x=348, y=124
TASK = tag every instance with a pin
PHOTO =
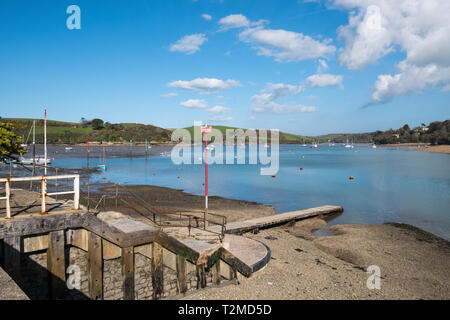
x=245, y=255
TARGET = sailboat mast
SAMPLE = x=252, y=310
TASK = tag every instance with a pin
x=45, y=142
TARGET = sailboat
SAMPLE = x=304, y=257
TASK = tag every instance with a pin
x=347, y=145
x=102, y=166
x=35, y=159
x=374, y=146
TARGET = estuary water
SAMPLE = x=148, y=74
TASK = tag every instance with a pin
x=389, y=185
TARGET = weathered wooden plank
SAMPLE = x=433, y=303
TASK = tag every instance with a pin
x=31, y=225
x=170, y=259
x=146, y=250
x=157, y=271
x=110, y=250
x=56, y=264
x=181, y=274
x=95, y=267
x=176, y=246
x=201, y=276
x=36, y=243
x=2, y=254
x=78, y=238
x=12, y=248
x=128, y=273
x=215, y=271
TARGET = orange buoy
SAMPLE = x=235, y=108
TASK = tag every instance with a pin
x=273, y=176
x=352, y=178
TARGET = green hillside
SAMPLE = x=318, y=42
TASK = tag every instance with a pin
x=285, y=138
x=71, y=132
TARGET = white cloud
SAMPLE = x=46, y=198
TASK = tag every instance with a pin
x=322, y=67
x=218, y=109
x=205, y=85
x=234, y=21
x=222, y=119
x=323, y=80
x=169, y=95
x=274, y=107
x=189, y=44
x=410, y=79
x=274, y=91
x=286, y=46
x=418, y=28
x=238, y=21
x=194, y=103
x=206, y=17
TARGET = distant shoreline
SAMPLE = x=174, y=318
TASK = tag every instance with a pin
x=423, y=147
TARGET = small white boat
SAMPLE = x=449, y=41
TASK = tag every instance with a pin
x=374, y=146
x=68, y=148
x=39, y=160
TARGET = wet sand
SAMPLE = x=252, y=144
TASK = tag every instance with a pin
x=423, y=147
x=436, y=149
x=413, y=264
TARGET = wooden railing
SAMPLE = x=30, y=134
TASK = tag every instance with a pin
x=44, y=194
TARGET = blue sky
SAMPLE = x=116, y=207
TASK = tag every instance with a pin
x=307, y=67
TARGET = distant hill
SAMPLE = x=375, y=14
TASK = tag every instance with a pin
x=96, y=130
x=72, y=132
x=436, y=132
x=285, y=138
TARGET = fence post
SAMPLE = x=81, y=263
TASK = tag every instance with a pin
x=43, y=194
x=8, y=195
x=76, y=194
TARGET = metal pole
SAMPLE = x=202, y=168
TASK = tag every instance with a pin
x=205, y=223
x=87, y=154
x=8, y=195
x=45, y=142
x=34, y=153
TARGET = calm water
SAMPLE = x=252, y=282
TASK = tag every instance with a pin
x=398, y=185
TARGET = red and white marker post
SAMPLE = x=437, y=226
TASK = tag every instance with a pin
x=206, y=130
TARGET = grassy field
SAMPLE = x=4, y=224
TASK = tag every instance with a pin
x=285, y=138
x=71, y=133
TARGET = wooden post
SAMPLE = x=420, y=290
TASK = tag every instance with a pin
x=215, y=270
x=43, y=194
x=128, y=273
x=12, y=257
x=56, y=264
x=95, y=267
x=8, y=196
x=157, y=271
x=201, y=276
x=2, y=254
x=181, y=274
x=76, y=194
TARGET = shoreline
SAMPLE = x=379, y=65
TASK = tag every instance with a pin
x=422, y=147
